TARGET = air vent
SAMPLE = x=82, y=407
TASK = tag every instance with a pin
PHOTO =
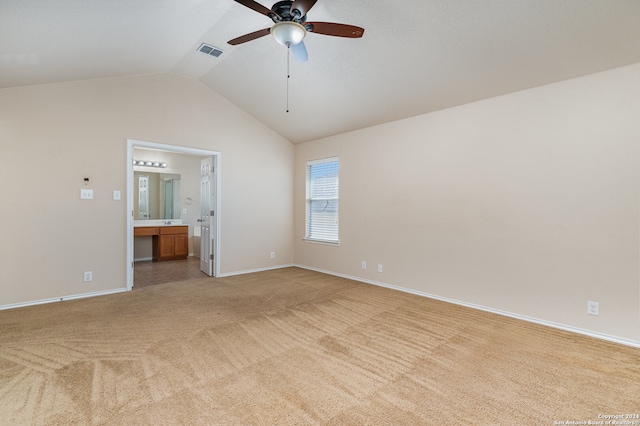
x=209, y=50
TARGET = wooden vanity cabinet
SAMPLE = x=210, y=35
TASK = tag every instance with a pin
x=169, y=242
x=172, y=243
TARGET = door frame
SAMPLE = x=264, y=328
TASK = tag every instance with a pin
x=131, y=144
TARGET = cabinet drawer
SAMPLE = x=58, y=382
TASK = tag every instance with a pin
x=145, y=230
x=173, y=230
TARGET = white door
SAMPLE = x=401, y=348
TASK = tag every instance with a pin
x=207, y=215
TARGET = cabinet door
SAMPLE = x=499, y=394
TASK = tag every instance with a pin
x=181, y=246
x=166, y=245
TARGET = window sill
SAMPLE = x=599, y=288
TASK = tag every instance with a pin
x=324, y=242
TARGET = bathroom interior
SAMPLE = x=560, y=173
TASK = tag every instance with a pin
x=166, y=200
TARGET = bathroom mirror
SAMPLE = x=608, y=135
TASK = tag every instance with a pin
x=156, y=196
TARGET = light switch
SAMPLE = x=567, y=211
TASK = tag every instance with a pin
x=86, y=194
x=116, y=195
x=184, y=211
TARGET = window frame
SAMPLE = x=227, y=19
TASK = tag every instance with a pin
x=308, y=201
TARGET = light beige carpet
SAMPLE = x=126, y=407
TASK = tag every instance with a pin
x=297, y=347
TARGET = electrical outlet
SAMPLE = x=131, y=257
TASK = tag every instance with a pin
x=379, y=267
x=88, y=276
x=364, y=264
x=273, y=254
x=593, y=308
x=86, y=194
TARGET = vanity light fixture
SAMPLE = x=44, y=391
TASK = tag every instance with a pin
x=149, y=164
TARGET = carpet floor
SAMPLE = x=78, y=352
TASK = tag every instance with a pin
x=293, y=346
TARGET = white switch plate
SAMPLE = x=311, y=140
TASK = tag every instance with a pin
x=88, y=276
x=116, y=195
x=379, y=267
x=184, y=211
x=86, y=194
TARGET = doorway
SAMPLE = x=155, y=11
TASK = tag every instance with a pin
x=215, y=201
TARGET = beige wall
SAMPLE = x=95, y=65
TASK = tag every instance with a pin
x=52, y=136
x=526, y=203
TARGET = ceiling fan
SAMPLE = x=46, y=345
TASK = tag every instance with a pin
x=291, y=26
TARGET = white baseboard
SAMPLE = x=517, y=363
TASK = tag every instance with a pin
x=120, y=290
x=576, y=330
x=142, y=259
x=564, y=327
x=251, y=271
x=61, y=299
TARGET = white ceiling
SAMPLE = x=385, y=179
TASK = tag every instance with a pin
x=416, y=56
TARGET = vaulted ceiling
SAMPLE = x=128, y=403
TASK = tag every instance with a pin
x=416, y=56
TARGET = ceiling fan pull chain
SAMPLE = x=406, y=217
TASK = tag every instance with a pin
x=288, y=75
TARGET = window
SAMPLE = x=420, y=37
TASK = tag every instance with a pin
x=322, y=200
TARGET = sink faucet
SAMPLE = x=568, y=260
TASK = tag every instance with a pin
x=167, y=222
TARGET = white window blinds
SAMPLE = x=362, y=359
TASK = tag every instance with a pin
x=322, y=200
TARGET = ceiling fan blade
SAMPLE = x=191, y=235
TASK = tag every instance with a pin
x=251, y=4
x=302, y=6
x=248, y=37
x=300, y=52
x=333, y=29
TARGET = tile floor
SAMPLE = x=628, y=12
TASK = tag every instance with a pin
x=147, y=272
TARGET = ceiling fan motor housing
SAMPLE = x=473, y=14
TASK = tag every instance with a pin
x=283, y=10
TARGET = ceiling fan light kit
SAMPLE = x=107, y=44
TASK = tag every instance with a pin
x=288, y=33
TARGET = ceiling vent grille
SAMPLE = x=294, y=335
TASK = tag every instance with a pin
x=209, y=50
